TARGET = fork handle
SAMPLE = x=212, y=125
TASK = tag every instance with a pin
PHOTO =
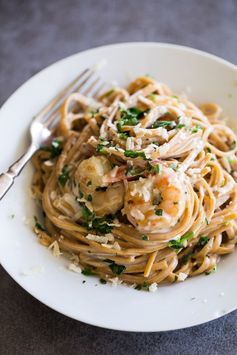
x=7, y=178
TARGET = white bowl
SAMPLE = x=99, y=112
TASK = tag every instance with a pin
x=204, y=78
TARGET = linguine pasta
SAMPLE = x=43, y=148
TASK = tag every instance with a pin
x=139, y=185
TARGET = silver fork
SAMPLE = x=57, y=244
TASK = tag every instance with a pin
x=44, y=122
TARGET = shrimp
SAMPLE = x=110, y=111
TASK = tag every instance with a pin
x=155, y=204
x=90, y=173
x=106, y=198
x=109, y=201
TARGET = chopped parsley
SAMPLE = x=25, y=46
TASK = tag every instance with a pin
x=207, y=222
x=211, y=271
x=196, y=129
x=209, y=150
x=91, y=222
x=86, y=213
x=153, y=97
x=202, y=241
x=101, y=225
x=89, y=198
x=185, y=258
x=116, y=268
x=159, y=212
x=102, y=145
x=123, y=135
x=134, y=170
x=89, y=183
x=158, y=124
x=233, y=145
x=54, y=149
x=38, y=225
x=179, y=243
x=103, y=282
x=87, y=271
x=144, y=286
x=154, y=168
x=64, y=176
x=144, y=237
x=129, y=117
x=180, y=125
x=231, y=160
x=134, y=154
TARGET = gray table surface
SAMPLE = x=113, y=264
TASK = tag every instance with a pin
x=34, y=34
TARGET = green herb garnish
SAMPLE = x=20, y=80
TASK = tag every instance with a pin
x=87, y=271
x=103, y=282
x=154, y=168
x=196, y=129
x=233, y=145
x=38, y=225
x=135, y=154
x=202, y=241
x=144, y=237
x=64, y=176
x=211, y=271
x=133, y=171
x=179, y=243
x=144, y=286
x=55, y=148
x=91, y=222
x=116, y=268
x=129, y=117
x=180, y=125
x=158, y=124
x=123, y=135
x=159, y=212
x=153, y=97
x=102, y=144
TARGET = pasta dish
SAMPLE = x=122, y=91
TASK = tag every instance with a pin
x=139, y=185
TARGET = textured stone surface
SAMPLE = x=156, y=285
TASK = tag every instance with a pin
x=34, y=34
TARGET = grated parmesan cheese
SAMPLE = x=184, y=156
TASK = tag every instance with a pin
x=49, y=163
x=182, y=276
x=153, y=287
x=115, y=281
x=101, y=239
x=129, y=143
x=74, y=268
x=55, y=248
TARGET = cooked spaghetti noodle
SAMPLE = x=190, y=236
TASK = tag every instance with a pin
x=139, y=185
